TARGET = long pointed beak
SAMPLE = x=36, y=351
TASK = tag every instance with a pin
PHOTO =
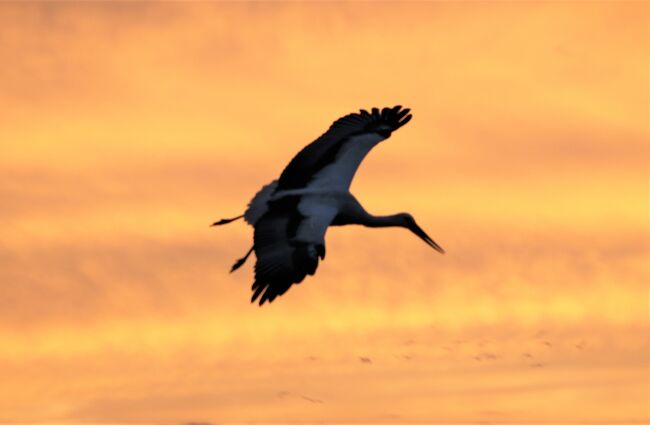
x=422, y=235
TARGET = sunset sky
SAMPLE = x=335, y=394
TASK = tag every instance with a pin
x=127, y=128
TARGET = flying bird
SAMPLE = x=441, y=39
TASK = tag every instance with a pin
x=291, y=214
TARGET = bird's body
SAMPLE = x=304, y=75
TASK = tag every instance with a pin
x=291, y=215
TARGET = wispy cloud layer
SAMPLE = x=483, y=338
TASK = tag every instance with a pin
x=126, y=129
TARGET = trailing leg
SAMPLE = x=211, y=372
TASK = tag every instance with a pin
x=242, y=260
x=226, y=220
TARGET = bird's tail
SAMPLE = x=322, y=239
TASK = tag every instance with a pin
x=226, y=220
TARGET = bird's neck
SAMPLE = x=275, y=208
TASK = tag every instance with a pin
x=393, y=220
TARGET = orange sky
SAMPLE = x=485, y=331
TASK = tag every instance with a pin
x=127, y=128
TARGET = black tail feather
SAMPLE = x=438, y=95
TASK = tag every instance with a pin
x=226, y=220
x=242, y=260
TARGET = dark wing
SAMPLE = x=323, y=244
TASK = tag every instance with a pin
x=288, y=244
x=323, y=151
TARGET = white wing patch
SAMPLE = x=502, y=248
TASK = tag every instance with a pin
x=257, y=207
x=318, y=212
x=338, y=175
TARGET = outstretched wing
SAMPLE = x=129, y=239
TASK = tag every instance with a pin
x=289, y=240
x=258, y=205
x=334, y=157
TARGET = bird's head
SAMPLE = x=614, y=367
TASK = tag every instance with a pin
x=407, y=220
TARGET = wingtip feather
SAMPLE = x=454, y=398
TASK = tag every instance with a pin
x=405, y=120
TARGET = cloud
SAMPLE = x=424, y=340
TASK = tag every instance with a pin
x=311, y=400
x=199, y=423
x=127, y=129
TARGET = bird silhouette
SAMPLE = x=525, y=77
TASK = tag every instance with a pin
x=291, y=214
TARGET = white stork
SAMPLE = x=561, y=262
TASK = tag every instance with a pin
x=291, y=214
